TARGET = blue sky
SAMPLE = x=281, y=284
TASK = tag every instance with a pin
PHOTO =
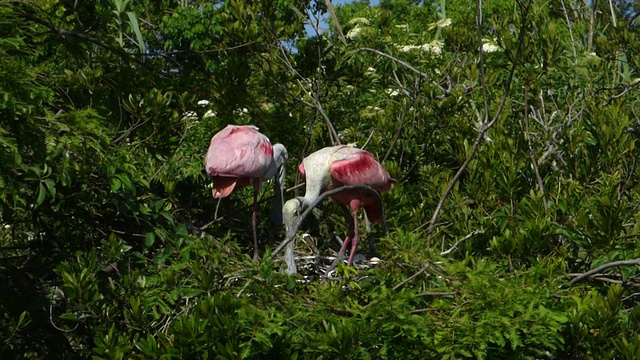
x=323, y=24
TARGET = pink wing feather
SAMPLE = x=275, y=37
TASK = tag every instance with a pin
x=361, y=168
x=237, y=154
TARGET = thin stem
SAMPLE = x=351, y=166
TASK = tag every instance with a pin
x=486, y=126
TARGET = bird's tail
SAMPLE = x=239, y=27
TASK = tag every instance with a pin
x=223, y=186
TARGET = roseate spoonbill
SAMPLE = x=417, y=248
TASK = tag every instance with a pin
x=333, y=167
x=240, y=156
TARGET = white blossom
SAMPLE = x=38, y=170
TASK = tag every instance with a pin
x=189, y=115
x=392, y=92
x=208, y=114
x=203, y=103
x=243, y=111
x=440, y=24
x=359, y=21
x=490, y=45
x=434, y=47
x=354, y=32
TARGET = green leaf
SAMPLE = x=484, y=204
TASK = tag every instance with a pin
x=133, y=21
x=41, y=194
x=115, y=184
x=51, y=187
x=69, y=316
x=149, y=239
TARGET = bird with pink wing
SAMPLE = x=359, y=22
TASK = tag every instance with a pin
x=239, y=155
x=332, y=168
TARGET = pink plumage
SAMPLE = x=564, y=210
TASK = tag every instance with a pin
x=240, y=156
x=337, y=166
x=237, y=155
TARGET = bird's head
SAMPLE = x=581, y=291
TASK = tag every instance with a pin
x=280, y=154
x=292, y=210
x=277, y=171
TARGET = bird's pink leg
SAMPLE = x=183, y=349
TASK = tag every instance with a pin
x=355, y=205
x=345, y=243
x=254, y=219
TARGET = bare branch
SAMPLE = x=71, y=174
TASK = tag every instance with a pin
x=467, y=237
x=313, y=94
x=334, y=17
x=486, y=126
x=631, y=296
x=424, y=75
x=573, y=42
x=400, y=127
x=634, y=262
x=424, y=268
x=438, y=293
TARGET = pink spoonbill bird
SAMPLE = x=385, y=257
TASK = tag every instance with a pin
x=241, y=156
x=333, y=167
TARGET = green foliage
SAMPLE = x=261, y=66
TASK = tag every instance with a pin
x=110, y=247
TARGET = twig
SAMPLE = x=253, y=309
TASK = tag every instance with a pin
x=316, y=257
x=527, y=136
x=56, y=326
x=613, y=14
x=634, y=262
x=368, y=139
x=631, y=296
x=314, y=95
x=424, y=75
x=424, y=268
x=404, y=90
x=437, y=293
x=468, y=236
x=486, y=126
x=401, y=127
x=418, y=311
x=332, y=13
x=573, y=43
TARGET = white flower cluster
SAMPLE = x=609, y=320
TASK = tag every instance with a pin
x=440, y=24
x=490, y=45
x=434, y=47
x=354, y=32
x=360, y=23
x=192, y=115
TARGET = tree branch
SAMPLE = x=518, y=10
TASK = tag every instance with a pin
x=486, y=126
x=334, y=17
x=437, y=293
x=68, y=33
x=634, y=262
x=424, y=268
x=378, y=52
x=468, y=236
